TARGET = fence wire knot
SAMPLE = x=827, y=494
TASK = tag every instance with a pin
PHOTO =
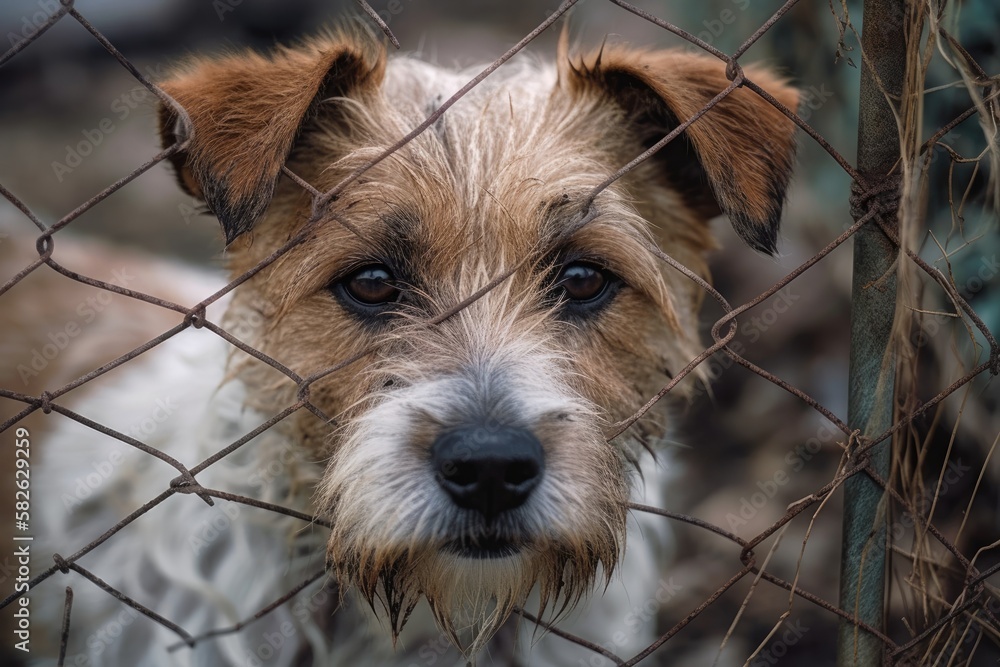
x=196, y=318
x=856, y=442
x=303, y=392
x=184, y=483
x=61, y=563
x=734, y=72
x=879, y=200
x=45, y=245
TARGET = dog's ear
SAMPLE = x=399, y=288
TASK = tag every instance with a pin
x=736, y=159
x=246, y=111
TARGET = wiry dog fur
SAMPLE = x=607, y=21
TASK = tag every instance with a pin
x=499, y=184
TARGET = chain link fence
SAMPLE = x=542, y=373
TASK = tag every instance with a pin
x=936, y=572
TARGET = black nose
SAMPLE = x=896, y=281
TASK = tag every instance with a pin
x=490, y=470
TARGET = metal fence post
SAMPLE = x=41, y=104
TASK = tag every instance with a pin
x=872, y=366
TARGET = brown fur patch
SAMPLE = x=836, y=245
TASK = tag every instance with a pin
x=737, y=157
x=246, y=111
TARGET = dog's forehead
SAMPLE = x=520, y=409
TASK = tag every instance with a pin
x=416, y=86
x=506, y=168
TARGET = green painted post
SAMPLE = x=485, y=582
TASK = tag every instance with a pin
x=872, y=369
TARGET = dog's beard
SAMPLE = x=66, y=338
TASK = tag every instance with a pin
x=398, y=537
x=472, y=597
x=473, y=575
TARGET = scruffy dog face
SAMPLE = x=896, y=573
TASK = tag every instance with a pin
x=467, y=460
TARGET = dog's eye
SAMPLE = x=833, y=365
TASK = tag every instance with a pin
x=582, y=282
x=372, y=285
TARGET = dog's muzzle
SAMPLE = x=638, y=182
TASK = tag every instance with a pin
x=490, y=471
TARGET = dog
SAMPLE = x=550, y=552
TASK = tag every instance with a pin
x=458, y=331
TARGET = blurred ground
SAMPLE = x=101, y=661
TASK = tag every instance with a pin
x=744, y=438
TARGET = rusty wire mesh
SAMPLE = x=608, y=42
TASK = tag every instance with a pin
x=974, y=605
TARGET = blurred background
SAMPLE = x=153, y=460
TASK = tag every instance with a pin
x=64, y=95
